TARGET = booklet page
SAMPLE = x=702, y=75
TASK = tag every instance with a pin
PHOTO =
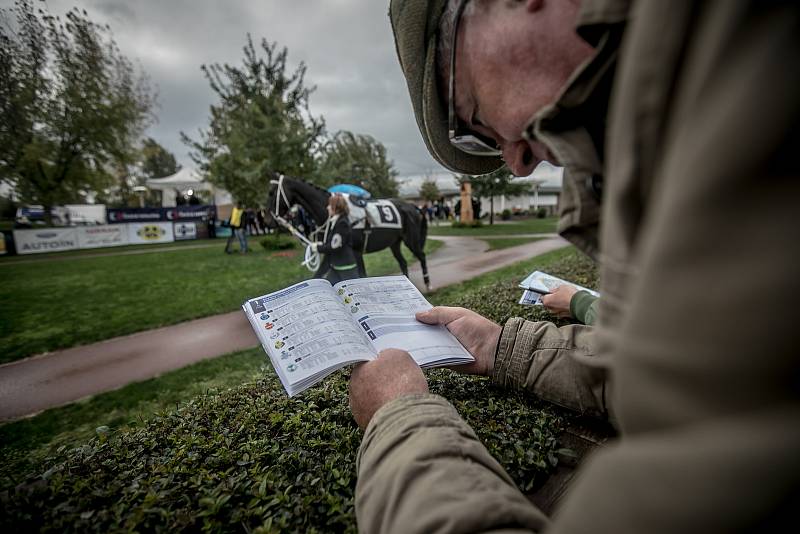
x=544, y=283
x=384, y=308
x=307, y=333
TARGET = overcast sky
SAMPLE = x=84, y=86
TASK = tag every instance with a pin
x=346, y=44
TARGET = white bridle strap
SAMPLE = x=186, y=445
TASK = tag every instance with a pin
x=280, y=195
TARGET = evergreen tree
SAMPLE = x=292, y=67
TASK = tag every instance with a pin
x=261, y=124
x=429, y=190
x=360, y=160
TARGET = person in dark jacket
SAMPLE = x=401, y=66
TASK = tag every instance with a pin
x=338, y=245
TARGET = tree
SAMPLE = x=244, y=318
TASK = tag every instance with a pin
x=260, y=126
x=429, y=190
x=358, y=159
x=494, y=184
x=157, y=161
x=72, y=106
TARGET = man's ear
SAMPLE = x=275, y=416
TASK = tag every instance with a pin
x=533, y=5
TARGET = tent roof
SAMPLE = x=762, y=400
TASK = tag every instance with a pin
x=183, y=179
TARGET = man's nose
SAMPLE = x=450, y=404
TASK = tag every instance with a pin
x=519, y=158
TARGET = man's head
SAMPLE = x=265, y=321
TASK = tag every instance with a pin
x=512, y=58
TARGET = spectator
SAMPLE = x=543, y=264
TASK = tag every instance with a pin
x=236, y=224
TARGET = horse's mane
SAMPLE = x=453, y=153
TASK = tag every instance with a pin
x=313, y=185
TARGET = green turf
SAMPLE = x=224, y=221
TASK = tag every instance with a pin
x=525, y=226
x=497, y=243
x=48, y=305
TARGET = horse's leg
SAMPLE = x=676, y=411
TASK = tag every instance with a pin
x=398, y=255
x=419, y=252
x=362, y=270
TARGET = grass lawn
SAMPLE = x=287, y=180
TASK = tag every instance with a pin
x=27, y=442
x=49, y=305
x=524, y=226
x=497, y=243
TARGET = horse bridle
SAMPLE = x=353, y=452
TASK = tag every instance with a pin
x=280, y=194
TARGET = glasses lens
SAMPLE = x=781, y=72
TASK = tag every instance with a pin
x=475, y=145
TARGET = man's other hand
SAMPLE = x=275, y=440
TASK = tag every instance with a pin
x=394, y=374
x=478, y=334
x=558, y=301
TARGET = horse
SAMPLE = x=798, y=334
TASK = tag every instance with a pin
x=287, y=192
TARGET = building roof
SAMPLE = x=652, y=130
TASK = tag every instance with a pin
x=549, y=178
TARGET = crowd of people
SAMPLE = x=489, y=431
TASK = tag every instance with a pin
x=243, y=222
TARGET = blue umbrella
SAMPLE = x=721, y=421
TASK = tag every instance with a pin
x=350, y=189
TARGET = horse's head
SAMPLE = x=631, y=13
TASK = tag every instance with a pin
x=279, y=201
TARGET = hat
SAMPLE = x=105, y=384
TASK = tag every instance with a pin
x=415, y=24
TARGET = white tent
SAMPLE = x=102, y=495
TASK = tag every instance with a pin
x=186, y=180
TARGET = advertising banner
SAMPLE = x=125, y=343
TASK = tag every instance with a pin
x=123, y=215
x=109, y=235
x=185, y=230
x=178, y=213
x=45, y=240
x=193, y=213
x=154, y=232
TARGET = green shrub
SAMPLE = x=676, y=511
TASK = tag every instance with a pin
x=251, y=458
x=277, y=242
x=506, y=214
x=541, y=213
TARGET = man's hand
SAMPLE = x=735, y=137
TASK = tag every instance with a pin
x=558, y=301
x=394, y=374
x=478, y=334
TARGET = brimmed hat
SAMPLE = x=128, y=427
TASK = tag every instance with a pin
x=415, y=24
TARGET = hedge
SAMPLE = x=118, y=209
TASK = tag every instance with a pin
x=250, y=459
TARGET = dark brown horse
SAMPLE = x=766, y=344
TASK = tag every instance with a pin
x=287, y=192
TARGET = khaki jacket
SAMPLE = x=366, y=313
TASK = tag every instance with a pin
x=699, y=252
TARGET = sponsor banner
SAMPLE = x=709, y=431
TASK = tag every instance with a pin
x=123, y=215
x=109, y=235
x=193, y=213
x=45, y=240
x=185, y=230
x=153, y=232
x=179, y=213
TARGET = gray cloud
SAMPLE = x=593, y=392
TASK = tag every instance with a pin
x=346, y=44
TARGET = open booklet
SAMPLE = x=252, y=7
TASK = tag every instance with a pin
x=311, y=329
x=537, y=284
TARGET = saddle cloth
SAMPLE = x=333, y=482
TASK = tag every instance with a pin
x=380, y=213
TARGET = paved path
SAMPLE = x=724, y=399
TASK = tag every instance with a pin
x=53, y=379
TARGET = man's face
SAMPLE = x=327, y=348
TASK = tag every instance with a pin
x=511, y=61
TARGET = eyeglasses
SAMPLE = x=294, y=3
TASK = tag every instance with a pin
x=461, y=137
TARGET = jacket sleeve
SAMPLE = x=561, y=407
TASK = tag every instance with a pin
x=555, y=364
x=583, y=307
x=422, y=469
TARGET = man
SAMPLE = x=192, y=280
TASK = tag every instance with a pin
x=690, y=112
x=236, y=224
